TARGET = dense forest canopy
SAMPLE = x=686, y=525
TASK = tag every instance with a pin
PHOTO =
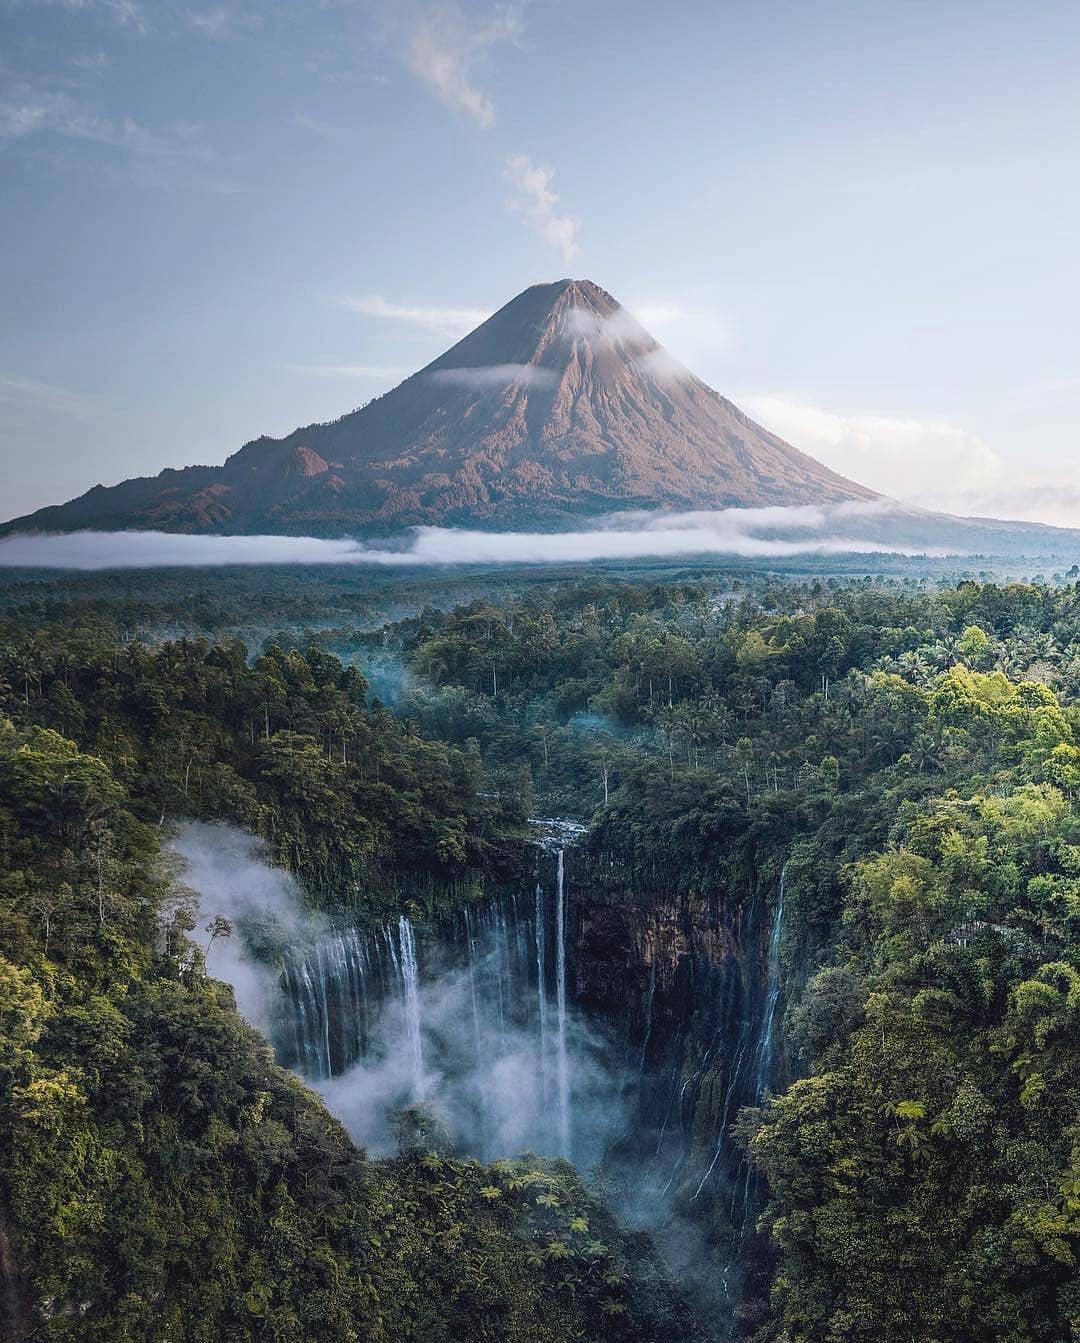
x=906, y=754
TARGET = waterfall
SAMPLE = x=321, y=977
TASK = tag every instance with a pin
x=472, y=1013
x=540, y=938
x=764, y=1051
x=410, y=983
x=751, y=1061
x=734, y=1077
x=650, y=994
x=470, y=943
x=561, y=1070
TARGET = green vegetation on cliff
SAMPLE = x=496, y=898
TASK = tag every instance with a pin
x=163, y=1179
x=910, y=757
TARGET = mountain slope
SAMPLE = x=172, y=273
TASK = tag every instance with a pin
x=559, y=406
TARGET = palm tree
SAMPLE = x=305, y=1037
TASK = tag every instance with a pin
x=914, y=666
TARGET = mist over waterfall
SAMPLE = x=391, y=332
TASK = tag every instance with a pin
x=456, y=1017
x=490, y=1020
x=471, y=1016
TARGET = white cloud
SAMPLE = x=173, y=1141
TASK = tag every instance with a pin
x=496, y=375
x=748, y=532
x=927, y=462
x=23, y=113
x=440, y=320
x=622, y=330
x=127, y=13
x=663, y=367
x=222, y=20
x=658, y=314
x=698, y=331
x=442, y=47
x=535, y=201
x=215, y=22
x=93, y=62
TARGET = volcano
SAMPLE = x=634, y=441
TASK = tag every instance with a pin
x=560, y=406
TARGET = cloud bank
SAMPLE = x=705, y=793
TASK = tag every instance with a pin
x=746, y=532
x=929, y=463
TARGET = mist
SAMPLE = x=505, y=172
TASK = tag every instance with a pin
x=231, y=876
x=452, y=1017
x=484, y=1074
x=747, y=532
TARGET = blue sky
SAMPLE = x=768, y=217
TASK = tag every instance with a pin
x=858, y=220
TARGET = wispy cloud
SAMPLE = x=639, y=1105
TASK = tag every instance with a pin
x=29, y=394
x=127, y=13
x=214, y=22
x=484, y=377
x=663, y=367
x=659, y=314
x=371, y=372
x=222, y=20
x=443, y=45
x=211, y=20
x=26, y=110
x=619, y=329
x=928, y=462
x=91, y=62
x=441, y=321
x=535, y=201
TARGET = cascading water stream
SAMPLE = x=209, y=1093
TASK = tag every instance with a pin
x=410, y=983
x=764, y=1051
x=752, y=1057
x=540, y=938
x=471, y=1015
x=562, y=1075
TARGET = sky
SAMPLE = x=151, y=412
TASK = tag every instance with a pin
x=858, y=220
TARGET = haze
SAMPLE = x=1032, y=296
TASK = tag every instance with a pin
x=854, y=219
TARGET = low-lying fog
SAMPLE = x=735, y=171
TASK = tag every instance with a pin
x=748, y=532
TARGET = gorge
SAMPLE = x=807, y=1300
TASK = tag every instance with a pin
x=624, y=1036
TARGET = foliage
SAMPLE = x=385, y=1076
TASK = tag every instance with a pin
x=907, y=754
x=163, y=1179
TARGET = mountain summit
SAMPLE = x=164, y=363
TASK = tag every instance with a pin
x=560, y=406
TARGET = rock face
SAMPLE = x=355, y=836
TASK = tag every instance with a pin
x=560, y=406
x=687, y=984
